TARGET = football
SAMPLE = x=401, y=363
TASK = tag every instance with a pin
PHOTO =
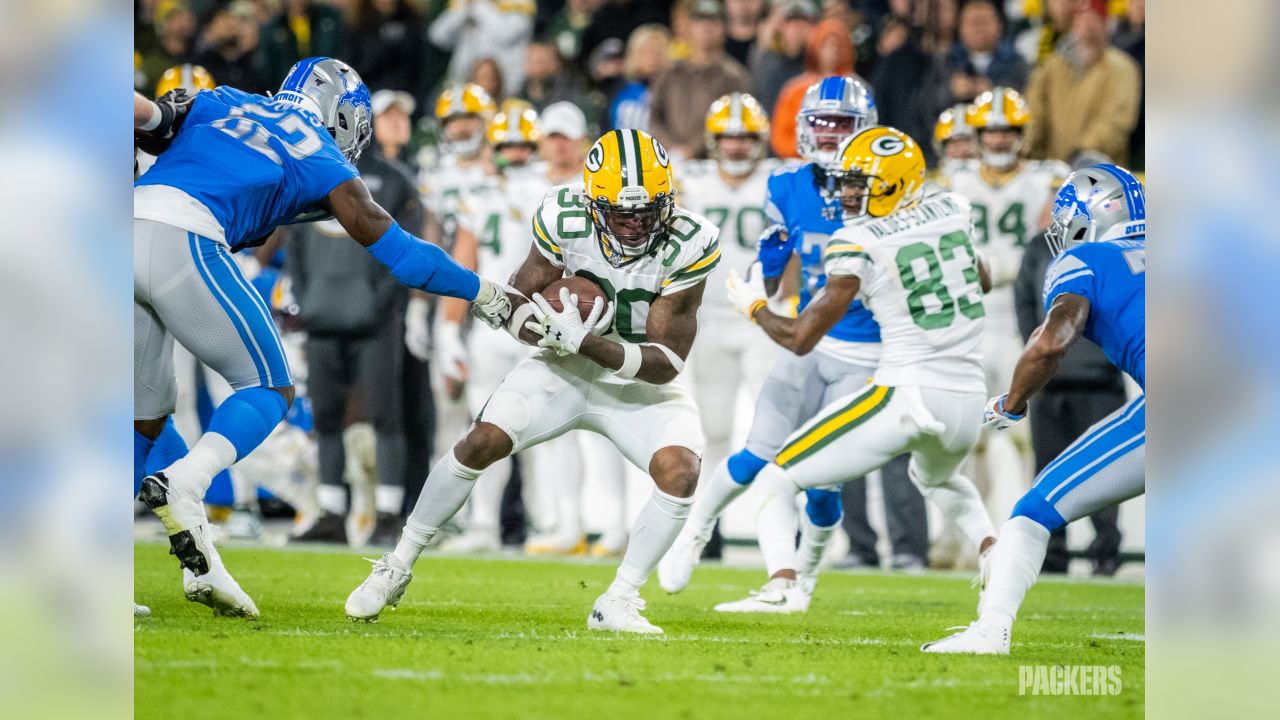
x=586, y=291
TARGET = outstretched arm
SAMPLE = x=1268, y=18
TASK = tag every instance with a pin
x=1062, y=326
x=412, y=261
x=671, y=327
x=800, y=334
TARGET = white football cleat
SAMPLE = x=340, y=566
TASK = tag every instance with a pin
x=976, y=639
x=676, y=567
x=472, y=542
x=620, y=613
x=141, y=610
x=384, y=587
x=807, y=583
x=779, y=596
x=180, y=515
x=216, y=588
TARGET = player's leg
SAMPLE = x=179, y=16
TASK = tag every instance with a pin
x=657, y=429
x=533, y=404
x=780, y=408
x=199, y=296
x=936, y=459
x=488, y=365
x=1104, y=467
x=823, y=505
x=846, y=439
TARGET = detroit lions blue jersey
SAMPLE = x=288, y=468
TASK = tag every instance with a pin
x=794, y=201
x=256, y=164
x=1112, y=276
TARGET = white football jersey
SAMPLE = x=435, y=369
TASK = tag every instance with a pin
x=564, y=234
x=498, y=213
x=443, y=187
x=919, y=278
x=1005, y=217
x=738, y=210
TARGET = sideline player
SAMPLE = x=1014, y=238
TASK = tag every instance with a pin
x=910, y=260
x=1095, y=288
x=237, y=166
x=730, y=189
x=1009, y=196
x=803, y=214
x=953, y=140
x=614, y=373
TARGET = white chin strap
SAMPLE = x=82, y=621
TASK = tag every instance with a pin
x=462, y=148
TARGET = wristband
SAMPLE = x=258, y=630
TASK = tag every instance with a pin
x=157, y=116
x=755, y=308
x=518, y=318
x=1006, y=413
x=631, y=359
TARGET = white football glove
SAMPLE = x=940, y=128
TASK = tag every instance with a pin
x=563, y=330
x=747, y=294
x=491, y=305
x=417, y=334
x=451, y=351
x=995, y=417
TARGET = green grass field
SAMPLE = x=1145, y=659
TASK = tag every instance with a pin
x=507, y=638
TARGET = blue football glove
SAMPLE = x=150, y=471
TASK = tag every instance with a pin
x=775, y=248
x=995, y=417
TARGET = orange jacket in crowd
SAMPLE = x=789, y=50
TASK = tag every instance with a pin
x=783, y=133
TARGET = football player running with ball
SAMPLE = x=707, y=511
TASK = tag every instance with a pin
x=613, y=372
x=910, y=261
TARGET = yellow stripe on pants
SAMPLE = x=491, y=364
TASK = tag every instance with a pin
x=833, y=424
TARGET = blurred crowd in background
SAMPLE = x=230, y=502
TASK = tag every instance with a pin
x=373, y=410
x=657, y=64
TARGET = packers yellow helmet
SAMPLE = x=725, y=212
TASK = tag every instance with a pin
x=630, y=194
x=999, y=109
x=463, y=100
x=193, y=78
x=515, y=124
x=737, y=115
x=880, y=171
x=951, y=125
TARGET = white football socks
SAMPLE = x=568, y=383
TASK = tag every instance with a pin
x=710, y=503
x=813, y=542
x=486, y=499
x=652, y=533
x=777, y=520
x=1015, y=565
x=446, y=489
x=191, y=474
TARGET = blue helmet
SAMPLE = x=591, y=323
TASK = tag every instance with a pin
x=833, y=109
x=1095, y=204
x=335, y=93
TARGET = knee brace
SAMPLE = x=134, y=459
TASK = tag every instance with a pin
x=823, y=507
x=1034, y=507
x=744, y=466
